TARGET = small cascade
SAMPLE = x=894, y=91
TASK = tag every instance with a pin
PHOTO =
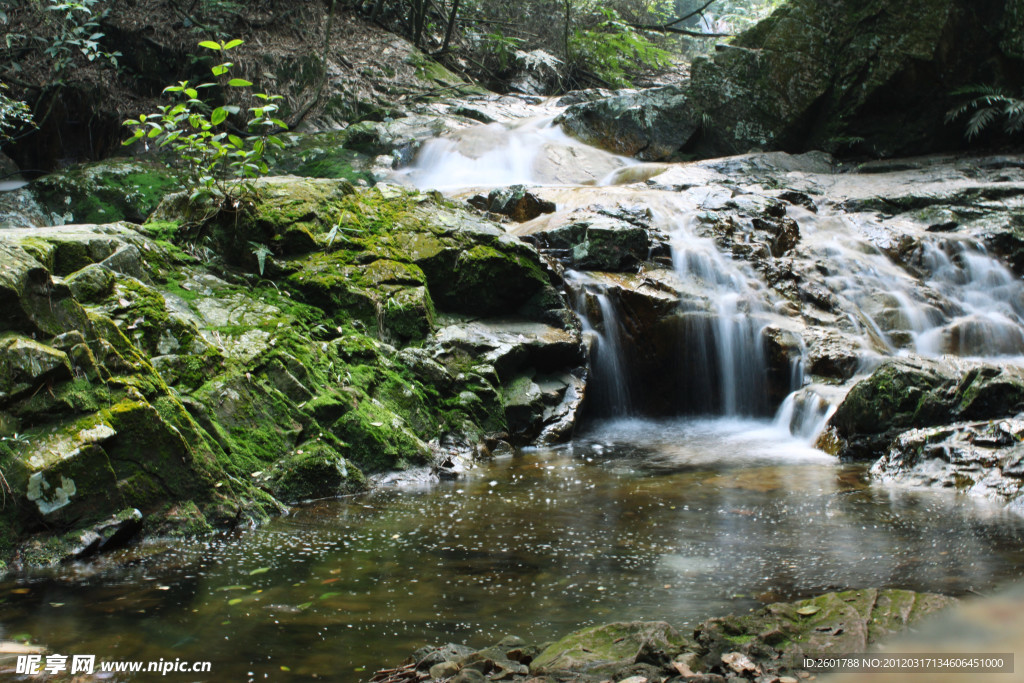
x=609, y=385
x=955, y=299
x=728, y=346
x=534, y=152
x=986, y=302
x=804, y=414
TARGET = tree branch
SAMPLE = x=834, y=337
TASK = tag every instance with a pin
x=664, y=28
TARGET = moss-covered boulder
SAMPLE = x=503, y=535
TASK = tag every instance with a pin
x=908, y=394
x=107, y=191
x=313, y=470
x=842, y=76
x=777, y=637
x=608, y=648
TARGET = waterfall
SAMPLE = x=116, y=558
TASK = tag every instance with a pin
x=732, y=345
x=883, y=292
x=609, y=386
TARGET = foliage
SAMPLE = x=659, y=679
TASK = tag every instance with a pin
x=988, y=105
x=219, y=162
x=614, y=48
x=64, y=29
x=13, y=114
x=77, y=29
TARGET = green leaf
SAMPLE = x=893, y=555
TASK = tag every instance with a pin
x=234, y=601
x=218, y=116
x=304, y=606
x=329, y=594
x=219, y=70
x=233, y=43
x=210, y=45
x=261, y=570
x=239, y=83
x=192, y=93
x=236, y=141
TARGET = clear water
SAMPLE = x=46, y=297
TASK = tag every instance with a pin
x=675, y=520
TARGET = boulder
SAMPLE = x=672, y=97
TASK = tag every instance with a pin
x=980, y=458
x=515, y=202
x=650, y=125
x=601, y=650
x=911, y=393
x=837, y=76
x=777, y=637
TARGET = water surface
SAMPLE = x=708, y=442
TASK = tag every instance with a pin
x=675, y=520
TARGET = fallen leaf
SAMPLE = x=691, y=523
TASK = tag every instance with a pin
x=808, y=610
x=261, y=570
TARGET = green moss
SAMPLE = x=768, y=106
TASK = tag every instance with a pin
x=162, y=230
x=378, y=439
x=108, y=191
x=314, y=470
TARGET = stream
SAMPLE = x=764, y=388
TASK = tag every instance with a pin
x=717, y=509
x=678, y=520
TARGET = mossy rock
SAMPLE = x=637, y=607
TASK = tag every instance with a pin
x=108, y=191
x=322, y=155
x=601, y=650
x=778, y=636
x=378, y=439
x=313, y=470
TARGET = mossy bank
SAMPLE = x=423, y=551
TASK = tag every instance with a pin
x=207, y=368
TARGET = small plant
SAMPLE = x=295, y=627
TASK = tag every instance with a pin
x=220, y=164
x=261, y=251
x=988, y=104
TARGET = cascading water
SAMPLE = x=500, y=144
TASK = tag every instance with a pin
x=947, y=297
x=728, y=339
x=610, y=393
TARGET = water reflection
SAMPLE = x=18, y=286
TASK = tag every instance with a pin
x=675, y=520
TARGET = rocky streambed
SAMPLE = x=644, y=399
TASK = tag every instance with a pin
x=207, y=369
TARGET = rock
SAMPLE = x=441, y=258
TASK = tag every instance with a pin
x=981, y=458
x=25, y=365
x=313, y=470
x=906, y=394
x=598, y=240
x=444, y=670
x=651, y=125
x=107, y=191
x=515, y=202
x=603, y=649
x=813, y=76
x=808, y=77
x=469, y=676
x=777, y=637
x=427, y=657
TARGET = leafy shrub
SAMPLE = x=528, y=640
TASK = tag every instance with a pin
x=219, y=163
